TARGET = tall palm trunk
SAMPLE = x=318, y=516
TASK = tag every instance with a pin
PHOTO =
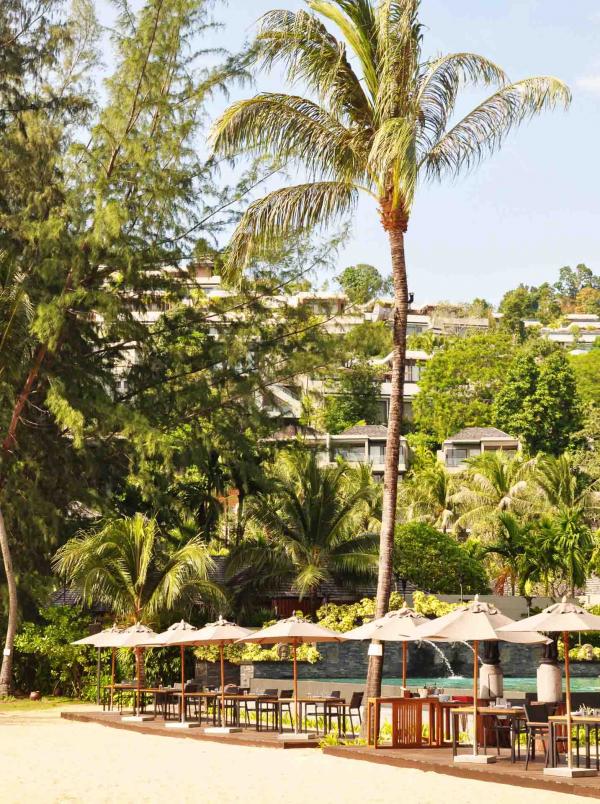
x=394, y=222
x=7, y=657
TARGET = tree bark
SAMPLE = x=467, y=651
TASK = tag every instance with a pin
x=7, y=447
x=394, y=222
x=7, y=657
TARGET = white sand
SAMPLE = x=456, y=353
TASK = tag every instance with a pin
x=46, y=759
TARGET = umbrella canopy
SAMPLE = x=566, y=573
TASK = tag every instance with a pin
x=395, y=626
x=295, y=631
x=475, y=622
x=220, y=632
x=174, y=635
x=565, y=617
x=138, y=636
x=109, y=638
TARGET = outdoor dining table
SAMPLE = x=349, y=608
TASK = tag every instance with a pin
x=590, y=723
x=510, y=712
x=331, y=707
x=407, y=722
x=114, y=688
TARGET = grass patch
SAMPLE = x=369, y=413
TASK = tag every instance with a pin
x=24, y=704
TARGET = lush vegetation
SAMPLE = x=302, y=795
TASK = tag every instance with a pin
x=162, y=447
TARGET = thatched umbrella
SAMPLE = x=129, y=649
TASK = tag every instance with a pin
x=294, y=631
x=475, y=622
x=564, y=617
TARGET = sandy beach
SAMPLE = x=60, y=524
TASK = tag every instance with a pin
x=46, y=759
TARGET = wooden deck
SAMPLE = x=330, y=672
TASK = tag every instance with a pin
x=248, y=737
x=439, y=760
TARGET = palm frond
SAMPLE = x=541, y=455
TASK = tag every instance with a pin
x=439, y=84
x=356, y=20
x=314, y=58
x=484, y=129
x=393, y=155
x=294, y=128
x=285, y=212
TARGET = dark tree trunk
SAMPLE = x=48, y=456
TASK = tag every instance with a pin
x=394, y=222
x=8, y=445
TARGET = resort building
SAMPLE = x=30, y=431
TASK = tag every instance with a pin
x=473, y=441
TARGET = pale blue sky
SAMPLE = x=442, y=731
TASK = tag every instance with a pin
x=530, y=208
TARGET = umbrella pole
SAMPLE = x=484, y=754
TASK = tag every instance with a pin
x=221, y=650
x=296, y=724
x=404, y=648
x=182, y=698
x=568, y=698
x=138, y=665
x=475, y=691
x=112, y=678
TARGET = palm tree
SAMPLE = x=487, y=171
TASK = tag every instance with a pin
x=512, y=548
x=430, y=495
x=494, y=482
x=376, y=120
x=567, y=536
x=309, y=528
x=126, y=565
x=564, y=487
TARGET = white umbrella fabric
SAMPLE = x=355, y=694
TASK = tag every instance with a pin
x=395, y=626
x=475, y=622
x=564, y=617
x=294, y=631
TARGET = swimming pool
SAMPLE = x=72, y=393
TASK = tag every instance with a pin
x=466, y=682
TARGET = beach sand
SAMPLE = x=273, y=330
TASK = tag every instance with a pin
x=46, y=759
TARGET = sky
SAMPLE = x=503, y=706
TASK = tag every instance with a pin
x=530, y=208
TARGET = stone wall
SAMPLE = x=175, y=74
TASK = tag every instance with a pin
x=349, y=660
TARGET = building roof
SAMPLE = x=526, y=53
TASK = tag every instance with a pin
x=480, y=434
x=71, y=597
x=366, y=431
x=334, y=592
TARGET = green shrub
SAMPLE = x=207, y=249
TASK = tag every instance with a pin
x=46, y=661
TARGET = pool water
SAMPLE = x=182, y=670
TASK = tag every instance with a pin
x=465, y=682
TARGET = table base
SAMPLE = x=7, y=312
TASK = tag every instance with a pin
x=475, y=759
x=570, y=773
x=300, y=737
x=136, y=718
x=222, y=730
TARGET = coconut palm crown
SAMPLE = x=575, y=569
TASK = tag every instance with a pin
x=376, y=118
x=125, y=565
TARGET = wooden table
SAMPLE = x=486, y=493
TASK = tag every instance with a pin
x=107, y=688
x=327, y=702
x=590, y=723
x=407, y=722
x=512, y=712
